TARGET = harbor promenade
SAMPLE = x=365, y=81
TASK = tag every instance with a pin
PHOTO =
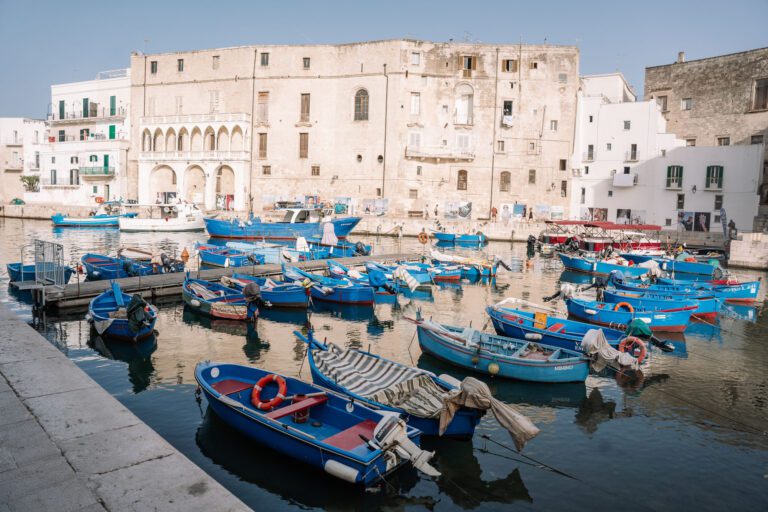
x=68, y=445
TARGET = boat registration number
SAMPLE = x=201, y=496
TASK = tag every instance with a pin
x=562, y=368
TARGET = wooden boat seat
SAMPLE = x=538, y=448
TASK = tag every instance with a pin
x=296, y=407
x=231, y=386
x=350, y=438
x=556, y=328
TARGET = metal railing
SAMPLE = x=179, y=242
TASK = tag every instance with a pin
x=13, y=141
x=93, y=113
x=443, y=152
x=49, y=264
x=589, y=156
x=196, y=118
x=97, y=171
x=194, y=155
x=630, y=156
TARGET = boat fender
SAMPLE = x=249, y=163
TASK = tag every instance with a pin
x=590, y=311
x=532, y=336
x=268, y=405
x=629, y=307
x=226, y=263
x=450, y=379
x=194, y=303
x=631, y=344
x=341, y=471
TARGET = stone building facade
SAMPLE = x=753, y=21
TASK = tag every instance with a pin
x=401, y=124
x=20, y=140
x=714, y=101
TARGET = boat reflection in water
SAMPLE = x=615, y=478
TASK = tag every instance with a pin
x=570, y=276
x=350, y=312
x=740, y=311
x=137, y=355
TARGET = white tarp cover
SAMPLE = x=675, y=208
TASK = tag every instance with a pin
x=594, y=344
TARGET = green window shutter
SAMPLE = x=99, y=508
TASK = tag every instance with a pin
x=720, y=178
x=709, y=175
x=61, y=109
x=85, y=107
x=111, y=131
x=106, y=161
x=112, y=105
x=669, y=176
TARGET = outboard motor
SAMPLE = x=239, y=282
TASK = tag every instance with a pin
x=253, y=300
x=167, y=263
x=361, y=250
x=391, y=433
x=531, y=240
x=253, y=259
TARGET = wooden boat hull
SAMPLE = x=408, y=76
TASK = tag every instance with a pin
x=688, y=267
x=230, y=307
x=593, y=266
x=285, y=295
x=734, y=292
x=218, y=228
x=602, y=313
x=706, y=307
x=18, y=272
x=118, y=328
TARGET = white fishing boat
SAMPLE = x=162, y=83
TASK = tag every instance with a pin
x=181, y=216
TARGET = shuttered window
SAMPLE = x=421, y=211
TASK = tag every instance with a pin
x=675, y=176
x=506, y=181
x=361, y=105
x=714, y=177
x=262, y=145
x=461, y=182
x=303, y=145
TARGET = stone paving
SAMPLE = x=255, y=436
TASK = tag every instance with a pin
x=67, y=445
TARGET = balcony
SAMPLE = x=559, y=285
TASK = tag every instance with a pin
x=439, y=153
x=713, y=186
x=674, y=184
x=15, y=165
x=197, y=156
x=630, y=156
x=625, y=180
x=97, y=172
x=588, y=156
x=99, y=114
x=46, y=184
x=197, y=118
x=13, y=141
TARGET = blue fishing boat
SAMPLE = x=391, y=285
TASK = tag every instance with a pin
x=18, y=272
x=326, y=430
x=99, y=266
x=328, y=289
x=707, y=306
x=673, y=319
x=544, y=328
x=501, y=356
x=216, y=300
x=595, y=266
x=107, y=215
x=421, y=275
x=342, y=248
x=278, y=294
x=377, y=382
x=465, y=239
x=385, y=290
x=117, y=315
x=297, y=223
x=727, y=290
x=442, y=236
x=438, y=272
x=689, y=267
x=217, y=256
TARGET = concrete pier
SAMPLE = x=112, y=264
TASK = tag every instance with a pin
x=66, y=444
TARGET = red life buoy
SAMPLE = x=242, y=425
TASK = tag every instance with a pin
x=423, y=238
x=631, y=344
x=620, y=304
x=279, y=397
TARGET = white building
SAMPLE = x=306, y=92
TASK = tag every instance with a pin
x=84, y=160
x=20, y=140
x=628, y=169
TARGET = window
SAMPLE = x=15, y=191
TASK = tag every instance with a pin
x=463, y=142
x=303, y=145
x=265, y=59
x=723, y=141
x=505, y=182
x=714, y=178
x=464, y=104
x=553, y=125
x=73, y=160
x=468, y=64
x=562, y=78
x=215, y=62
x=461, y=182
x=509, y=65
x=507, y=108
x=590, y=119
x=361, y=105
x=378, y=192
x=95, y=189
x=680, y=201
x=760, y=101
x=415, y=103
x=610, y=193
x=563, y=164
x=153, y=67
x=93, y=158
x=53, y=159
x=62, y=136
x=563, y=188
x=53, y=176
x=74, y=177
x=413, y=193
x=586, y=169
x=531, y=147
x=626, y=170
x=84, y=133
x=718, y=202
x=756, y=139
x=112, y=109
x=583, y=197
x=661, y=101
x=180, y=65
x=315, y=170
x=213, y=101
x=633, y=152
x=262, y=145
x=500, y=146
x=304, y=108
x=414, y=139
x=266, y=170
x=686, y=104
x=591, y=152
x=690, y=142
x=418, y=170
x=608, y=146
x=675, y=176
x=667, y=222
x=532, y=176
x=533, y=65
x=627, y=125
x=179, y=105
x=415, y=58
x=262, y=109
x=306, y=61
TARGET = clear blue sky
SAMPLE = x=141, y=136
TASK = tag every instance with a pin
x=46, y=42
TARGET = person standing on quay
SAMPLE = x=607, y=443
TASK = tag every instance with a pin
x=494, y=213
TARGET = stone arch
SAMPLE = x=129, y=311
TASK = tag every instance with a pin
x=209, y=139
x=170, y=140
x=362, y=100
x=158, y=142
x=222, y=139
x=162, y=181
x=236, y=140
x=225, y=188
x=146, y=140
x=196, y=139
x=194, y=184
x=182, y=140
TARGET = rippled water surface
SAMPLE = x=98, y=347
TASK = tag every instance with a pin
x=689, y=435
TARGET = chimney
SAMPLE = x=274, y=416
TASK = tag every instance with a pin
x=680, y=57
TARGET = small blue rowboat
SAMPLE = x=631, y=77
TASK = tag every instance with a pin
x=689, y=267
x=107, y=216
x=216, y=300
x=326, y=430
x=594, y=266
x=217, y=256
x=674, y=319
x=727, y=290
x=467, y=239
x=439, y=272
x=707, y=306
x=342, y=248
x=280, y=295
x=99, y=266
x=442, y=236
x=254, y=228
x=373, y=380
x=543, y=328
x=117, y=315
x=385, y=290
x=501, y=356
x=421, y=275
x=327, y=289
x=18, y=272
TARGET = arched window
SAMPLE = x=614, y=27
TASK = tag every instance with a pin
x=464, y=104
x=461, y=182
x=361, y=105
x=506, y=181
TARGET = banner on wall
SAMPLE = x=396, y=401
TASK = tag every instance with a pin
x=701, y=221
x=594, y=214
x=557, y=213
x=685, y=220
x=542, y=211
x=375, y=206
x=518, y=210
x=627, y=216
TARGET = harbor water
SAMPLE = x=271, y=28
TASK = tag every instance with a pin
x=688, y=433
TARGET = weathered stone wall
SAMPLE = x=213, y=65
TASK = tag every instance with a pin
x=750, y=252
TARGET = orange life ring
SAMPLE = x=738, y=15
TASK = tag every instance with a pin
x=423, y=238
x=631, y=344
x=620, y=304
x=279, y=397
